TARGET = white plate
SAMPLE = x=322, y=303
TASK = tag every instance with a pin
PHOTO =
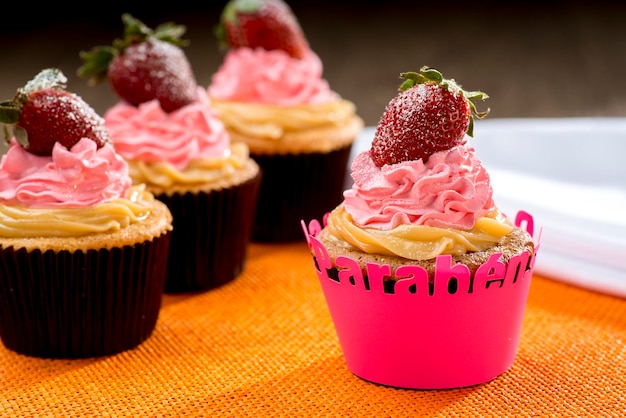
x=570, y=175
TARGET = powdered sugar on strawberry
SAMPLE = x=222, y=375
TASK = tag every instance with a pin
x=270, y=77
x=451, y=190
x=80, y=177
x=147, y=133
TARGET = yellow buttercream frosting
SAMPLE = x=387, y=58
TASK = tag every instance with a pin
x=26, y=222
x=310, y=128
x=419, y=242
x=216, y=171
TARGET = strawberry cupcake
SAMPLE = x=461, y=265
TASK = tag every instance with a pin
x=425, y=279
x=83, y=252
x=270, y=94
x=165, y=128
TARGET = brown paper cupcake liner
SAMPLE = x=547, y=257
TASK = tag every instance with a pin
x=210, y=237
x=296, y=187
x=81, y=304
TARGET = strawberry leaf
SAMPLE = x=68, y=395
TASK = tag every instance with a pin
x=431, y=74
x=172, y=33
x=9, y=116
x=21, y=136
x=9, y=112
x=470, y=127
x=96, y=63
x=134, y=29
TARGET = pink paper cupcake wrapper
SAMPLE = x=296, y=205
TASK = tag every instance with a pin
x=427, y=337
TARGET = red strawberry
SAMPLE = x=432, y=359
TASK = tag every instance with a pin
x=145, y=65
x=269, y=24
x=430, y=114
x=43, y=113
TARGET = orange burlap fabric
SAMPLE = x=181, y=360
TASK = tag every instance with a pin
x=264, y=345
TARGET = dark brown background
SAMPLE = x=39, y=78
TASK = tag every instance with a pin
x=534, y=59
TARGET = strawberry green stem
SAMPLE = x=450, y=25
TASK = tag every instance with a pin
x=430, y=75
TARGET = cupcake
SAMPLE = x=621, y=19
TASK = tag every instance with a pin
x=166, y=129
x=425, y=279
x=270, y=93
x=83, y=252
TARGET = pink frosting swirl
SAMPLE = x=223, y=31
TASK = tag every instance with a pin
x=148, y=133
x=81, y=177
x=270, y=77
x=452, y=190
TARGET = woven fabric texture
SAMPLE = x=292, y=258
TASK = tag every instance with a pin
x=264, y=345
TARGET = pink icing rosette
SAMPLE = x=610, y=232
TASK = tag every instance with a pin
x=80, y=177
x=147, y=133
x=270, y=77
x=451, y=190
